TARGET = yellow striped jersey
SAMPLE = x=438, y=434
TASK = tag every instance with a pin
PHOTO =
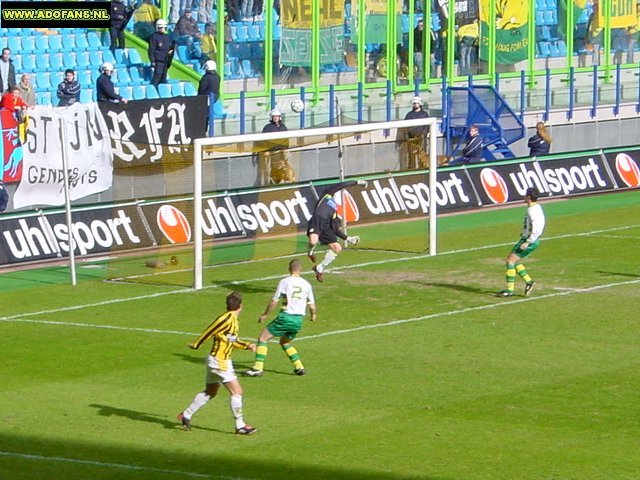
x=224, y=332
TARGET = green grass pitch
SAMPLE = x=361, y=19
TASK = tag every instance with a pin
x=415, y=370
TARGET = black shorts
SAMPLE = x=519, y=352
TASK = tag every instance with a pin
x=324, y=229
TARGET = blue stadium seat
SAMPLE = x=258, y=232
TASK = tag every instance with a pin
x=254, y=32
x=42, y=43
x=94, y=40
x=120, y=56
x=69, y=42
x=257, y=50
x=244, y=51
x=81, y=41
x=84, y=59
x=42, y=61
x=190, y=90
x=126, y=92
x=405, y=23
x=554, y=50
x=544, y=49
x=540, y=20
x=95, y=58
x=177, y=89
x=134, y=57
x=123, y=76
x=86, y=95
x=541, y=5
x=552, y=4
x=29, y=63
x=550, y=17
x=56, y=62
x=107, y=56
x=277, y=32
x=562, y=47
x=183, y=53
x=28, y=43
x=44, y=98
x=55, y=43
x=17, y=62
x=84, y=77
x=42, y=82
x=152, y=92
x=247, y=69
x=15, y=44
x=233, y=51
x=435, y=22
x=165, y=90
x=139, y=92
x=544, y=33
x=218, y=109
x=134, y=73
x=233, y=31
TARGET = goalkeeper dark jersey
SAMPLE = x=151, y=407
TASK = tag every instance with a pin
x=326, y=205
x=224, y=332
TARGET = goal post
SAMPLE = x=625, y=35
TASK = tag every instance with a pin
x=273, y=147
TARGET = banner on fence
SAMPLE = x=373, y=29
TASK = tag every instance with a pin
x=87, y=151
x=512, y=39
x=158, y=131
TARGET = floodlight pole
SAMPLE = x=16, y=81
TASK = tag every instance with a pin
x=67, y=201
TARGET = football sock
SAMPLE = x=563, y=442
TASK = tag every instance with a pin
x=199, y=401
x=522, y=271
x=328, y=258
x=311, y=249
x=511, y=277
x=235, y=401
x=292, y=353
x=261, y=354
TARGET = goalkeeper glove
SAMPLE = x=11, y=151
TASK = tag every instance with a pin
x=364, y=183
x=353, y=240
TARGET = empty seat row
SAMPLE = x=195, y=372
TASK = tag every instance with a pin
x=54, y=62
x=54, y=43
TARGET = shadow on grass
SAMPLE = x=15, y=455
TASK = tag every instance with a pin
x=238, y=366
x=456, y=286
x=244, y=287
x=26, y=458
x=619, y=274
x=170, y=424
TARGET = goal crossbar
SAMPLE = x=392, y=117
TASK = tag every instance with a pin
x=330, y=133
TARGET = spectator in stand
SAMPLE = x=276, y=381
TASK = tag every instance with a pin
x=119, y=18
x=204, y=13
x=540, y=143
x=472, y=152
x=208, y=43
x=187, y=33
x=27, y=93
x=467, y=44
x=234, y=13
x=210, y=81
x=416, y=136
x=105, y=90
x=4, y=197
x=418, y=42
x=68, y=89
x=145, y=18
x=11, y=101
x=160, y=53
x=273, y=159
x=7, y=71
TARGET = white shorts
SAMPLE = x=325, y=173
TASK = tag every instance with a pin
x=219, y=371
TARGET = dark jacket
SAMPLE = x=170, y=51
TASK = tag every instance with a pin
x=538, y=146
x=210, y=83
x=472, y=151
x=274, y=127
x=4, y=198
x=68, y=93
x=105, y=92
x=118, y=14
x=11, y=80
x=186, y=26
x=159, y=46
x=417, y=131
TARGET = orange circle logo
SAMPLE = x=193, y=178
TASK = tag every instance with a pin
x=173, y=224
x=494, y=185
x=628, y=170
x=347, y=207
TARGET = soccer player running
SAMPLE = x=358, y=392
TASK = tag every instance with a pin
x=325, y=226
x=529, y=241
x=224, y=332
x=296, y=294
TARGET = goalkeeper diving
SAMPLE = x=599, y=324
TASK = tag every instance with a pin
x=325, y=226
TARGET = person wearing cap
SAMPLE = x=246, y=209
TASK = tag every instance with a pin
x=160, y=52
x=105, y=91
x=417, y=136
x=210, y=81
x=187, y=32
x=274, y=166
x=534, y=222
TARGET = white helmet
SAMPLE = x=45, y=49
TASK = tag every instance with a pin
x=275, y=113
x=161, y=24
x=106, y=67
x=417, y=100
x=210, y=65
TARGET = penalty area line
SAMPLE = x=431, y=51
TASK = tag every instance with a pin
x=122, y=466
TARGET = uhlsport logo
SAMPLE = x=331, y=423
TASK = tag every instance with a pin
x=628, y=170
x=347, y=207
x=173, y=224
x=494, y=185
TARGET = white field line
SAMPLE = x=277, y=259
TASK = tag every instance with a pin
x=121, y=466
x=112, y=301
x=632, y=237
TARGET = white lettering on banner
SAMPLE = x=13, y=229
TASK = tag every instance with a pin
x=26, y=242
x=153, y=124
x=255, y=216
x=88, y=152
x=415, y=196
x=559, y=180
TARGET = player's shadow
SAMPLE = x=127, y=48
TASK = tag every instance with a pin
x=619, y=274
x=108, y=411
x=238, y=366
x=199, y=360
x=454, y=286
x=242, y=287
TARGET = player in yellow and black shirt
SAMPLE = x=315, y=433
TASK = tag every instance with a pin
x=224, y=332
